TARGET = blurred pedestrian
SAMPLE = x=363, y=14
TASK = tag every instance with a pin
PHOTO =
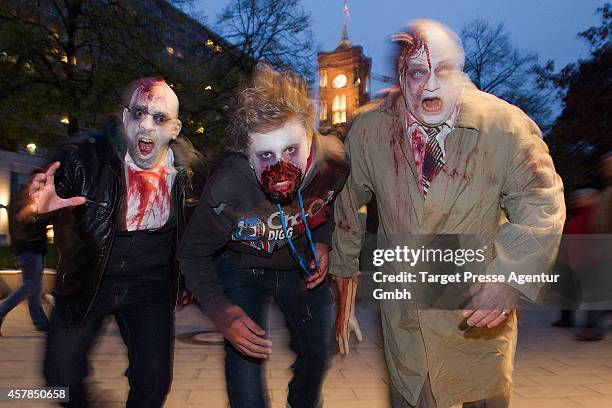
x=594, y=326
x=28, y=245
x=583, y=204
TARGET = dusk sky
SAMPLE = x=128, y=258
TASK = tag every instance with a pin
x=548, y=27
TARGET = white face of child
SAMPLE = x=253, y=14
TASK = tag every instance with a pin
x=279, y=159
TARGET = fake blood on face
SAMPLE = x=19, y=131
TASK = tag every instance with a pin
x=281, y=180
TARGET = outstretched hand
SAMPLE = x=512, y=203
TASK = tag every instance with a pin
x=41, y=195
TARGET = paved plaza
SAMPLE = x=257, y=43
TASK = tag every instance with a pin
x=552, y=369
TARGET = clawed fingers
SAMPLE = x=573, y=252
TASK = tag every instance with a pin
x=37, y=182
x=74, y=201
x=357, y=331
x=50, y=171
x=343, y=346
x=27, y=212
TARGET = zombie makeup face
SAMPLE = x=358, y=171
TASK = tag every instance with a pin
x=430, y=73
x=279, y=159
x=150, y=122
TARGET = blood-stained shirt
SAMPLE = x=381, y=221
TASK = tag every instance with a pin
x=417, y=138
x=148, y=194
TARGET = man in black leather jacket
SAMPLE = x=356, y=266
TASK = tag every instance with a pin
x=120, y=205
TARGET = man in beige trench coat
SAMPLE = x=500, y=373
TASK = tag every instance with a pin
x=442, y=157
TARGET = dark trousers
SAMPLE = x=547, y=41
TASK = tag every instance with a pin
x=595, y=319
x=310, y=318
x=31, y=264
x=143, y=308
x=427, y=400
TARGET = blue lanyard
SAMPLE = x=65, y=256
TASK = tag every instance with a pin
x=300, y=259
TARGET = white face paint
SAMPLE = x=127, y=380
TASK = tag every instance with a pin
x=279, y=159
x=431, y=78
x=150, y=122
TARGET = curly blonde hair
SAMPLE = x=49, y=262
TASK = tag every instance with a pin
x=264, y=103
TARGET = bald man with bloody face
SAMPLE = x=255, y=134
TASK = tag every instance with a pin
x=120, y=206
x=445, y=159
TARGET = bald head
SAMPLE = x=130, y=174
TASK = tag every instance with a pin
x=438, y=38
x=429, y=65
x=150, y=121
x=147, y=90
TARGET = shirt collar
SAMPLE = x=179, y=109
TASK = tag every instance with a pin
x=169, y=162
x=449, y=123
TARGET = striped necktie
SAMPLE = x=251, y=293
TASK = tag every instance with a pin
x=433, y=160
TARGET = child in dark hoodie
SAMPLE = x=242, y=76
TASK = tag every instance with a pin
x=262, y=232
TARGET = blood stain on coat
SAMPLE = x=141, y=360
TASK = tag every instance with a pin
x=344, y=226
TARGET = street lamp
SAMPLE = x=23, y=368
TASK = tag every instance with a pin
x=31, y=147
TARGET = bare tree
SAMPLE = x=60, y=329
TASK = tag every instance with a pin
x=275, y=31
x=579, y=136
x=69, y=58
x=65, y=63
x=496, y=66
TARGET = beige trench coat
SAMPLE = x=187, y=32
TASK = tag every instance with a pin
x=498, y=179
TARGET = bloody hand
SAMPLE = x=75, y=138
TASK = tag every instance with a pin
x=346, y=322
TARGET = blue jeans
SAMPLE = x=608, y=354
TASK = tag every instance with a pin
x=31, y=264
x=310, y=319
x=144, y=311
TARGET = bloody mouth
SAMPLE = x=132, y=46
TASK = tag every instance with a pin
x=146, y=146
x=283, y=186
x=432, y=105
x=280, y=180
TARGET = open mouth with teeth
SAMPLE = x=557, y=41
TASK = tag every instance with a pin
x=146, y=145
x=432, y=105
x=280, y=180
x=283, y=186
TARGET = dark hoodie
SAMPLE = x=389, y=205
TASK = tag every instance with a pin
x=234, y=215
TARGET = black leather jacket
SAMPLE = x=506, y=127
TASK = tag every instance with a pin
x=84, y=234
